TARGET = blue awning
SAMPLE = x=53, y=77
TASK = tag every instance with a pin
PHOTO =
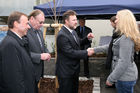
x=90, y=7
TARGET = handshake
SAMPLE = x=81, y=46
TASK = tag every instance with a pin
x=90, y=51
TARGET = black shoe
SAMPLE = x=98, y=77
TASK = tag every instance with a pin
x=87, y=76
x=113, y=86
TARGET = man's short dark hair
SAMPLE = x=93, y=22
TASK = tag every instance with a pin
x=14, y=16
x=82, y=18
x=67, y=14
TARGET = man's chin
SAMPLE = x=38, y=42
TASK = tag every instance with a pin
x=25, y=33
x=73, y=27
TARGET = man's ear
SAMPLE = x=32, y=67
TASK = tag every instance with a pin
x=31, y=18
x=16, y=23
x=66, y=21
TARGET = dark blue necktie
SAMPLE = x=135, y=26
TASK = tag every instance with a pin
x=81, y=33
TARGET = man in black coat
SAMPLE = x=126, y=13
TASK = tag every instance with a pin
x=69, y=54
x=39, y=53
x=16, y=68
x=82, y=32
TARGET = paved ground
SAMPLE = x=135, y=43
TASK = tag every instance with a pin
x=97, y=69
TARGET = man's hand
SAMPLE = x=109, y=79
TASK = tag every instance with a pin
x=45, y=56
x=90, y=36
x=90, y=51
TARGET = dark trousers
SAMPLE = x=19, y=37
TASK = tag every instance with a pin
x=36, y=86
x=86, y=67
x=68, y=85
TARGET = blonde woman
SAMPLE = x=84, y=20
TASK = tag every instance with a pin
x=124, y=71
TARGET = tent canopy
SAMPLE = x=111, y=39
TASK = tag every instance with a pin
x=98, y=9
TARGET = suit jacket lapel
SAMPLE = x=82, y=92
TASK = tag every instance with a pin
x=78, y=30
x=22, y=42
x=10, y=33
x=42, y=39
x=86, y=31
x=33, y=34
x=71, y=36
x=77, y=38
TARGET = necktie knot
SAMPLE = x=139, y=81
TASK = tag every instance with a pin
x=36, y=31
x=72, y=32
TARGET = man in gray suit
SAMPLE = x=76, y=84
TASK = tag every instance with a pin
x=39, y=52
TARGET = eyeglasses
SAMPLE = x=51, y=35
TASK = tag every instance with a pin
x=40, y=22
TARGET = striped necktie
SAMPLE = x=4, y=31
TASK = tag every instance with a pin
x=37, y=33
x=74, y=36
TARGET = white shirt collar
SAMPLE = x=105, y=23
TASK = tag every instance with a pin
x=17, y=35
x=68, y=29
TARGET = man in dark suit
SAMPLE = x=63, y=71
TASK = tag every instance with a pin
x=82, y=32
x=16, y=68
x=39, y=53
x=69, y=54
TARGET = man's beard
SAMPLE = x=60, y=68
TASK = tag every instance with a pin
x=72, y=27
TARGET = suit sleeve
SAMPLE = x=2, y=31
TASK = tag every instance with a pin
x=12, y=70
x=36, y=57
x=90, y=31
x=65, y=46
x=85, y=41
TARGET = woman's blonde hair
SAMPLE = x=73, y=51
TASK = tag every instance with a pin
x=127, y=25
